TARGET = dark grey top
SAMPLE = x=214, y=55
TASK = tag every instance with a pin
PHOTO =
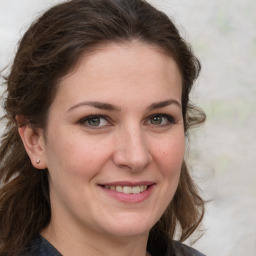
x=39, y=246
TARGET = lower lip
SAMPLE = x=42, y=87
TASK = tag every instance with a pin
x=130, y=198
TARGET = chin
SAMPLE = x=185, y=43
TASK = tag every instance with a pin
x=123, y=231
x=127, y=227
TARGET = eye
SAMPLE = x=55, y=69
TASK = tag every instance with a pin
x=160, y=120
x=94, y=121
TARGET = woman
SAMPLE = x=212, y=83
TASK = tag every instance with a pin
x=92, y=158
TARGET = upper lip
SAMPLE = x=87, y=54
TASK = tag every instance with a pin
x=128, y=183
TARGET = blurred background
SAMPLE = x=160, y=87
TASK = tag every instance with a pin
x=222, y=153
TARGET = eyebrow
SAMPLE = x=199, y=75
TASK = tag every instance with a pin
x=96, y=104
x=163, y=104
x=111, y=107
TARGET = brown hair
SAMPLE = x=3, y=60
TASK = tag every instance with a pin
x=50, y=49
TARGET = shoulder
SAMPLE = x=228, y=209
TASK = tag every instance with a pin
x=184, y=250
x=160, y=244
x=39, y=246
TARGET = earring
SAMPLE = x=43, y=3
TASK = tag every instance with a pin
x=38, y=161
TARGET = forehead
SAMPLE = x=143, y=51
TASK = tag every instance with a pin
x=133, y=69
x=134, y=50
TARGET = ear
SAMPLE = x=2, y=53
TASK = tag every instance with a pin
x=34, y=143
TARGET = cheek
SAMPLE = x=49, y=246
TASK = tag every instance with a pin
x=72, y=166
x=76, y=157
x=170, y=155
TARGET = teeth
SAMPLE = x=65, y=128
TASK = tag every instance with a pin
x=136, y=190
x=128, y=189
x=119, y=189
x=143, y=188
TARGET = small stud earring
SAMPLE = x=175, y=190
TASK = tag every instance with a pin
x=38, y=161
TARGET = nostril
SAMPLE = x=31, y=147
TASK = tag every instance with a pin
x=132, y=151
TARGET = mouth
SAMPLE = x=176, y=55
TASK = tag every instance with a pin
x=129, y=192
x=127, y=189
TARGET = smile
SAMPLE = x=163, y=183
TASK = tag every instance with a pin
x=128, y=189
x=129, y=192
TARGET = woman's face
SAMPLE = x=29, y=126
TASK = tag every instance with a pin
x=115, y=141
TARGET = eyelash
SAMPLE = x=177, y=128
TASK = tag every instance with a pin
x=169, y=118
x=90, y=117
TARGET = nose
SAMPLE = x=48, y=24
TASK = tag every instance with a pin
x=131, y=150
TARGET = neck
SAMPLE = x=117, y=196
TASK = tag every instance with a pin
x=70, y=242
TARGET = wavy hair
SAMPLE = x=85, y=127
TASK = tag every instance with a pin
x=50, y=49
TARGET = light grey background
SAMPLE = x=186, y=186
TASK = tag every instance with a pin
x=223, y=152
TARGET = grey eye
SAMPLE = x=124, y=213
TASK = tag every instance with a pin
x=156, y=120
x=94, y=121
x=160, y=120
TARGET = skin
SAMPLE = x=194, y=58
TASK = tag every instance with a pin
x=136, y=140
